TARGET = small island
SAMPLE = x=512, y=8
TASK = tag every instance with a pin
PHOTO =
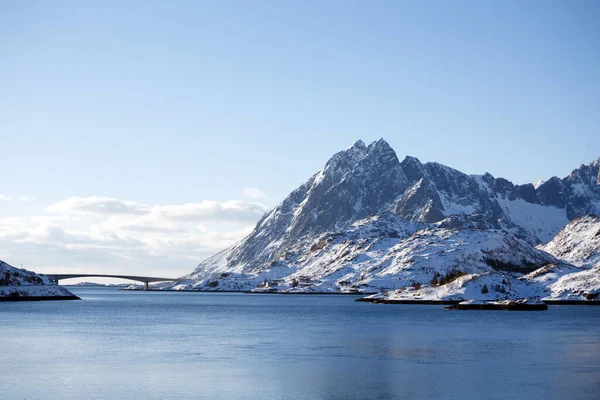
x=22, y=285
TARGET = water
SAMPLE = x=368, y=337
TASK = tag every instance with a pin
x=150, y=345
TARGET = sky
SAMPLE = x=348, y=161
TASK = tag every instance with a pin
x=140, y=137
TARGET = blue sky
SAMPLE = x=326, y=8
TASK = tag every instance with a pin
x=166, y=103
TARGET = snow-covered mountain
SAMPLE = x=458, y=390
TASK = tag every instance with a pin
x=578, y=242
x=368, y=221
x=20, y=284
x=355, y=183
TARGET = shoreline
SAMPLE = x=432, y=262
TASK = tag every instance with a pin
x=392, y=301
x=572, y=302
x=38, y=298
x=360, y=299
x=455, y=302
x=511, y=306
x=246, y=292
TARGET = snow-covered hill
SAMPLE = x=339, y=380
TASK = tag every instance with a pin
x=20, y=284
x=367, y=221
x=578, y=242
x=577, y=286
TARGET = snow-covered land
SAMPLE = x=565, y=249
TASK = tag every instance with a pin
x=20, y=284
x=578, y=242
x=583, y=284
x=368, y=222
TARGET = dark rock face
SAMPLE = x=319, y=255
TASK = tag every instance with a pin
x=500, y=186
x=420, y=203
x=525, y=192
x=413, y=169
x=582, y=190
x=552, y=193
x=440, y=191
x=431, y=183
x=453, y=183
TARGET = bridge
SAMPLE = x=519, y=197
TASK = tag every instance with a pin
x=145, y=279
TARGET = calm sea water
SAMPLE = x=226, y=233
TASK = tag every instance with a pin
x=149, y=345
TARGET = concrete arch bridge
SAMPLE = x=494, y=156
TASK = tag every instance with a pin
x=144, y=279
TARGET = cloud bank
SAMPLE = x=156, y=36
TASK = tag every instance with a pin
x=104, y=234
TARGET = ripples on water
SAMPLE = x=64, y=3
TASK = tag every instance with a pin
x=132, y=345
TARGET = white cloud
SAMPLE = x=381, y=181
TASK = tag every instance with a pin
x=234, y=210
x=208, y=210
x=100, y=234
x=23, y=198
x=97, y=205
x=254, y=193
x=26, y=198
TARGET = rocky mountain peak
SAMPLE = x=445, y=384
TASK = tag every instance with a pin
x=413, y=168
x=347, y=158
x=380, y=145
x=359, y=144
x=552, y=193
x=537, y=183
x=355, y=183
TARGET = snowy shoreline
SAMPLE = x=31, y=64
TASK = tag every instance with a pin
x=35, y=293
x=454, y=302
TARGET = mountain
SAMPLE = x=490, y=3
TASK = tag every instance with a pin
x=535, y=214
x=578, y=242
x=20, y=284
x=355, y=183
x=368, y=221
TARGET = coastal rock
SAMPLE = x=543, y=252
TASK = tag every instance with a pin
x=19, y=284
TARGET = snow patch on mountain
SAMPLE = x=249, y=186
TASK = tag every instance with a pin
x=542, y=222
x=537, y=183
x=453, y=206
